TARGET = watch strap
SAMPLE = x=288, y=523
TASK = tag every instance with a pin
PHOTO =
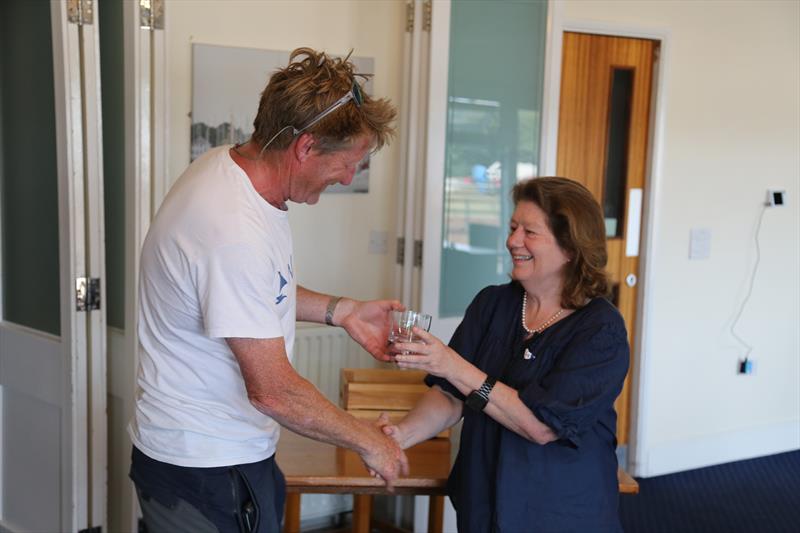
x=331, y=308
x=486, y=387
x=477, y=399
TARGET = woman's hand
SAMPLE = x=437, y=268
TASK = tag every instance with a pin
x=430, y=355
x=391, y=430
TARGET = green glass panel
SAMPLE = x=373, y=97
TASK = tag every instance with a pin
x=495, y=84
x=28, y=171
x=112, y=79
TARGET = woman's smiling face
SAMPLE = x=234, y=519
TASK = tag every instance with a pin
x=535, y=253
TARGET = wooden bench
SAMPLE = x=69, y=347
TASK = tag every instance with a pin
x=312, y=467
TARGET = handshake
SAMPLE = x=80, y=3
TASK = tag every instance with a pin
x=386, y=459
x=393, y=334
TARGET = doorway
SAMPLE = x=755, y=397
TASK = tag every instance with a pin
x=604, y=143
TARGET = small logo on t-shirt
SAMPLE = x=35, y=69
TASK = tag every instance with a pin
x=283, y=283
x=281, y=297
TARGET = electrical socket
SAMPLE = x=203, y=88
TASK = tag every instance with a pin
x=746, y=366
x=776, y=197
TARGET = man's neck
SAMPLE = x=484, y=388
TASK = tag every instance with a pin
x=267, y=173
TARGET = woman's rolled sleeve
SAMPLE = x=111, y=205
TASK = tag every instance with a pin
x=585, y=380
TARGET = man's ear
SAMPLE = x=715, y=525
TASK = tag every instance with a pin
x=303, y=146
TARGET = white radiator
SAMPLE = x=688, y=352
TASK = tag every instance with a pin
x=320, y=352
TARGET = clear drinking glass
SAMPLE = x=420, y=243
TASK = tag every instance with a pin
x=403, y=323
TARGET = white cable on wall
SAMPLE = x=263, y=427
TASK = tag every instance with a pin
x=739, y=339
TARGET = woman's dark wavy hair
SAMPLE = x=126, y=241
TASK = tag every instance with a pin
x=576, y=220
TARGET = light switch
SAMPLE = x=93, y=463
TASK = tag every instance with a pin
x=378, y=242
x=700, y=243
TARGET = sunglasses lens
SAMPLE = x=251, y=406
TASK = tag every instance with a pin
x=357, y=97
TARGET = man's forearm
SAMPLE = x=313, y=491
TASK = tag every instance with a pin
x=313, y=306
x=304, y=410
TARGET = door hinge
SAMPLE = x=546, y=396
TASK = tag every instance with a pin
x=410, y=16
x=151, y=14
x=80, y=12
x=95, y=529
x=401, y=250
x=417, y=253
x=427, y=15
x=87, y=294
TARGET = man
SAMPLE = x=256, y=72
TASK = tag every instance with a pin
x=219, y=302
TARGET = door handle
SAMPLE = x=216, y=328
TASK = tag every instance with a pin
x=631, y=279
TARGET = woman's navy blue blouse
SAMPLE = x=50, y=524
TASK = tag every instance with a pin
x=502, y=482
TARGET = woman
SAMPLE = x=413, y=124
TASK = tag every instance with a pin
x=538, y=444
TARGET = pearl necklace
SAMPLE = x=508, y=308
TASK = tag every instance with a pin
x=541, y=327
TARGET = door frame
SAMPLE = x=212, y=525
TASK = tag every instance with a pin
x=641, y=375
x=82, y=253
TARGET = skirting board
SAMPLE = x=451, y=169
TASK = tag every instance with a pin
x=710, y=450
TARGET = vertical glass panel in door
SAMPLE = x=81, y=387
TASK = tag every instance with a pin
x=28, y=172
x=616, y=171
x=494, y=108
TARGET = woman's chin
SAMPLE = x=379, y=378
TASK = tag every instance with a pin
x=516, y=275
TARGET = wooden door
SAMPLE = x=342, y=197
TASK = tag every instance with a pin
x=604, y=122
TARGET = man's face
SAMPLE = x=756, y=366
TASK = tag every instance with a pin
x=321, y=171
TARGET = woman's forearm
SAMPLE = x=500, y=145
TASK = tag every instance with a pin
x=506, y=407
x=435, y=411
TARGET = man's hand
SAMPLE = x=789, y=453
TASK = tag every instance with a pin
x=383, y=457
x=368, y=324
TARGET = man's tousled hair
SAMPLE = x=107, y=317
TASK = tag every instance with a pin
x=308, y=85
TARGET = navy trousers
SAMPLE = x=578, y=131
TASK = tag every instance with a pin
x=246, y=498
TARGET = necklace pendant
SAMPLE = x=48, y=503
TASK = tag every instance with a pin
x=528, y=355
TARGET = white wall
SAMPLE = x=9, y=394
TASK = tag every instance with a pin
x=331, y=237
x=731, y=129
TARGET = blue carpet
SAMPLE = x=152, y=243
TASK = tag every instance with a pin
x=743, y=497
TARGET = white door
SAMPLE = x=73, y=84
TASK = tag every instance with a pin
x=52, y=368
x=483, y=100
x=473, y=125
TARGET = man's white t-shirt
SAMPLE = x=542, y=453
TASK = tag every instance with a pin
x=216, y=263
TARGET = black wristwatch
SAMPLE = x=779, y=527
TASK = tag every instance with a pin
x=478, y=399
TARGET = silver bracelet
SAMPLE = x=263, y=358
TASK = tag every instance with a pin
x=331, y=308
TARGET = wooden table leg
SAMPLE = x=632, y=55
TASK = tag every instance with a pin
x=291, y=515
x=435, y=514
x=362, y=509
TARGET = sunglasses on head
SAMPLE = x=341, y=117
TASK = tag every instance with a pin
x=353, y=94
